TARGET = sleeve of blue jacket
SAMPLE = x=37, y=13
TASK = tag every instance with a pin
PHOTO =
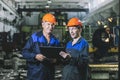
x=83, y=58
x=79, y=56
x=27, y=51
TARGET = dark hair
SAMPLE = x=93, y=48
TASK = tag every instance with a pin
x=79, y=27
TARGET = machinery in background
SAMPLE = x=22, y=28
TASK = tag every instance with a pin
x=108, y=66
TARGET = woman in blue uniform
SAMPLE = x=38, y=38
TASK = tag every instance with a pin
x=39, y=68
x=76, y=55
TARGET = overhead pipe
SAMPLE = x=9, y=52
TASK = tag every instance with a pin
x=53, y=10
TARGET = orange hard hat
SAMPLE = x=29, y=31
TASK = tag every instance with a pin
x=49, y=18
x=74, y=22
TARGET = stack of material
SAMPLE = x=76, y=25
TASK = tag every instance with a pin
x=104, y=71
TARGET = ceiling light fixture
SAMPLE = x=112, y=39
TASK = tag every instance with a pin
x=49, y=1
x=99, y=23
x=47, y=6
x=110, y=19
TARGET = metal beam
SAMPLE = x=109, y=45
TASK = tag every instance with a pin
x=10, y=9
x=53, y=10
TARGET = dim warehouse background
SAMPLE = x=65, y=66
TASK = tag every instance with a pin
x=20, y=18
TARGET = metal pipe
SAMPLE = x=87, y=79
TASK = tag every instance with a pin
x=118, y=24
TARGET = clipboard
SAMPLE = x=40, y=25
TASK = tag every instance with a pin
x=51, y=52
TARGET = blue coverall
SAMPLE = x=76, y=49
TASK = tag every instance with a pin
x=76, y=67
x=38, y=70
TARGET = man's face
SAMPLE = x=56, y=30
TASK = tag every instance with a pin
x=47, y=27
x=74, y=32
x=107, y=30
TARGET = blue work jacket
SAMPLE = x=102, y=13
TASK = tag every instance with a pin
x=38, y=70
x=76, y=67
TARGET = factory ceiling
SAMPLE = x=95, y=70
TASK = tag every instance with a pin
x=18, y=6
x=109, y=10
x=52, y=5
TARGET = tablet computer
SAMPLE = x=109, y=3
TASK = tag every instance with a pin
x=51, y=52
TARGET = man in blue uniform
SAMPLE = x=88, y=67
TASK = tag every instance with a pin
x=76, y=55
x=39, y=67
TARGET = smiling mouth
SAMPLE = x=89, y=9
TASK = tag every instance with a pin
x=72, y=33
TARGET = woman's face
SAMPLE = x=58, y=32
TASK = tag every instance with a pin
x=75, y=32
x=47, y=27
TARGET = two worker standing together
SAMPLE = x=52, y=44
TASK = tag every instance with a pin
x=75, y=57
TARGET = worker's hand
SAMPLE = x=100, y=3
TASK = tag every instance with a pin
x=40, y=57
x=64, y=54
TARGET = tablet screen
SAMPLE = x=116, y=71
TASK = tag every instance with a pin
x=51, y=52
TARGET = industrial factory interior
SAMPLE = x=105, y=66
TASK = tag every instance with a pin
x=19, y=19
